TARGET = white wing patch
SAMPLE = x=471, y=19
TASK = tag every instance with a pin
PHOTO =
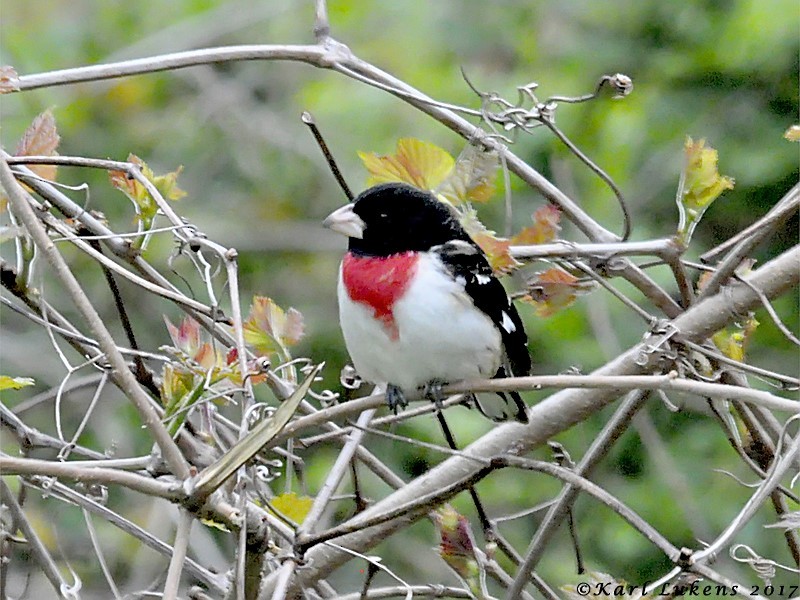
x=483, y=280
x=508, y=324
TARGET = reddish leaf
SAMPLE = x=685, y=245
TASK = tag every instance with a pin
x=41, y=139
x=497, y=250
x=9, y=80
x=255, y=367
x=458, y=549
x=553, y=290
x=545, y=227
x=186, y=337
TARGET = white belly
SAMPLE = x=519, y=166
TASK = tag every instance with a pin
x=437, y=338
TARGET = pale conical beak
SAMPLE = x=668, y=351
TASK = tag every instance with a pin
x=343, y=220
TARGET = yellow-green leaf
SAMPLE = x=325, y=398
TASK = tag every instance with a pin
x=292, y=506
x=14, y=383
x=702, y=181
x=732, y=341
x=793, y=133
x=269, y=328
x=137, y=192
x=421, y=164
x=168, y=184
x=700, y=185
x=472, y=178
x=215, y=524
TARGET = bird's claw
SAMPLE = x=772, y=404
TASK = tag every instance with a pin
x=395, y=398
x=433, y=392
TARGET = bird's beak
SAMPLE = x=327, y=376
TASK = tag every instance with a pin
x=343, y=220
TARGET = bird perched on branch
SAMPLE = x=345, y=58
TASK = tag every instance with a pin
x=419, y=305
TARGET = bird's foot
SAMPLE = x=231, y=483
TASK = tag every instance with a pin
x=433, y=392
x=395, y=398
x=469, y=400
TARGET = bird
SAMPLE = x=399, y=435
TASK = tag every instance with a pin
x=419, y=305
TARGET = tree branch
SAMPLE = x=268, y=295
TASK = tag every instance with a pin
x=551, y=416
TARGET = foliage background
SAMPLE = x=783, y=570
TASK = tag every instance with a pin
x=723, y=70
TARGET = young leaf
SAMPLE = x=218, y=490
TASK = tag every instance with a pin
x=545, y=227
x=554, y=290
x=138, y=194
x=793, y=133
x=269, y=329
x=732, y=341
x=292, y=506
x=187, y=337
x=14, y=383
x=9, y=80
x=497, y=250
x=41, y=139
x=458, y=549
x=699, y=186
x=215, y=525
x=472, y=177
x=418, y=163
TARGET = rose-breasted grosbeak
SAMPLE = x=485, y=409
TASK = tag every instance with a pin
x=418, y=303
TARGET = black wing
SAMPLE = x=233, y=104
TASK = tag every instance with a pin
x=468, y=265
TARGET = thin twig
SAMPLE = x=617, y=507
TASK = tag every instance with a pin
x=776, y=473
x=785, y=207
x=335, y=476
x=11, y=465
x=34, y=542
x=98, y=552
x=179, y=548
x=66, y=494
x=743, y=249
x=557, y=512
x=120, y=372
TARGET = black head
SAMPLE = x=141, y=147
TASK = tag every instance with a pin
x=396, y=217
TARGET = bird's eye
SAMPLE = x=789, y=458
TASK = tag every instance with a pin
x=383, y=215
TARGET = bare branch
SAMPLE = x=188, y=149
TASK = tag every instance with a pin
x=18, y=199
x=37, y=547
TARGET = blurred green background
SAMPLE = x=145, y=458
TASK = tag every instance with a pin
x=722, y=70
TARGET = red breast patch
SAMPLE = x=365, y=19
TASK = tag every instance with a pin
x=378, y=282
